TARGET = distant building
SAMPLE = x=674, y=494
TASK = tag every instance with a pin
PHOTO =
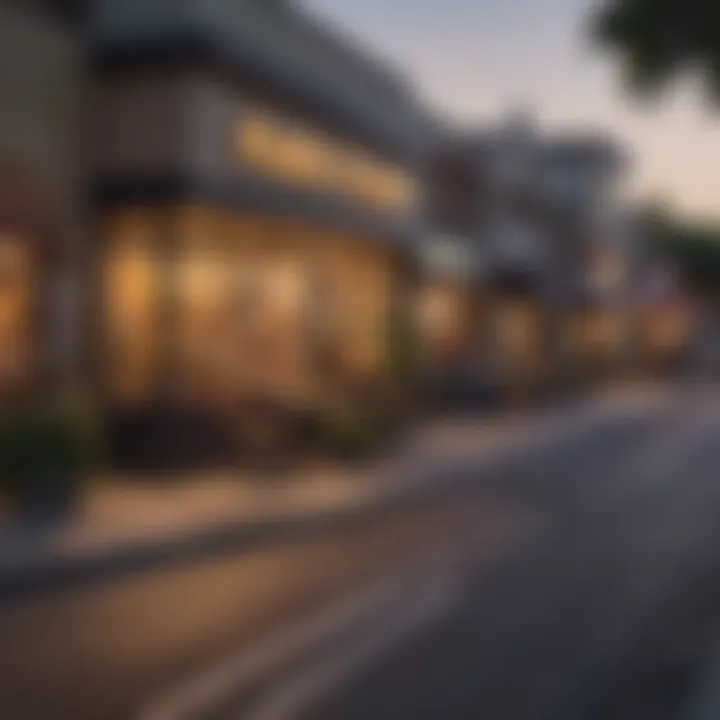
x=450, y=303
x=545, y=210
x=581, y=180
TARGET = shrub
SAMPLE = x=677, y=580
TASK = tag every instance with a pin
x=46, y=449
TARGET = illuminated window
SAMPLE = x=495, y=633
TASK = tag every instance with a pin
x=202, y=284
x=256, y=141
x=130, y=300
x=519, y=337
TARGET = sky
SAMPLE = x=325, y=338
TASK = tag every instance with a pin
x=477, y=61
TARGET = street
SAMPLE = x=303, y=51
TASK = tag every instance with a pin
x=577, y=578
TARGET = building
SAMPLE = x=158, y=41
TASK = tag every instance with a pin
x=450, y=303
x=256, y=192
x=592, y=250
x=203, y=205
x=41, y=190
x=545, y=212
x=513, y=234
x=674, y=328
x=208, y=207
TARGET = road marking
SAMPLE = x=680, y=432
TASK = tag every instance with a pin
x=221, y=683
x=314, y=682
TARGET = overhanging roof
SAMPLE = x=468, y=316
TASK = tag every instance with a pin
x=275, y=43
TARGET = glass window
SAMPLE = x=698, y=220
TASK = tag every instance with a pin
x=131, y=273
x=206, y=323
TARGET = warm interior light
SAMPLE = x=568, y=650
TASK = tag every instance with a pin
x=292, y=152
x=17, y=291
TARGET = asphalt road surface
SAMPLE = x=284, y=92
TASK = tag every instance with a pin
x=578, y=578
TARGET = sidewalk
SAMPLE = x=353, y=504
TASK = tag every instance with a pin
x=121, y=524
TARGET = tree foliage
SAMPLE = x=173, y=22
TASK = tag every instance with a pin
x=693, y=248
x=658, y=40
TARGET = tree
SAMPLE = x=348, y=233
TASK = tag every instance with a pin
x=658, y=40
x=693, y=248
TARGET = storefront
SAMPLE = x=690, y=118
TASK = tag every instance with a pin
x=213, y=306
x=520, y=335
x=523, y=323
x=449, y=308
x=41, y=73
x=602, y=329
x=666, y=320
x=253, y=222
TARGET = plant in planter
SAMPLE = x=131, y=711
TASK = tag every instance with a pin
x=45, y=452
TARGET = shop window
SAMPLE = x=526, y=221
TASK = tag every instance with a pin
x=131, y=292
x=357, y=284
x=441, y=319
x=519, y=336
x=206, y=322
x=240, y=292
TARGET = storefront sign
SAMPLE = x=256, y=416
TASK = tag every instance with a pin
x=290, y=152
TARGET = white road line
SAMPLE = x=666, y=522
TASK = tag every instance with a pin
x=220, y=683
x=314, y=682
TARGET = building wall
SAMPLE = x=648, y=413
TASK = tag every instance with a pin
x=201, y=124
x=164, y=121
x=282, y=44
x=41, y=90
x=142, y=123
x=41, y=100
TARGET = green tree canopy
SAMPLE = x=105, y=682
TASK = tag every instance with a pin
x=693, y=248
x=657, y=40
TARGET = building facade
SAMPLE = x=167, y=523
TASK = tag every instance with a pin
x=208, y=205
x=255, y=201
x=554, y=264
x=41, y=190
x=200, y=204
x=450, y=300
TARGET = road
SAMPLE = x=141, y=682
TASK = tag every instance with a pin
x=578, y=578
